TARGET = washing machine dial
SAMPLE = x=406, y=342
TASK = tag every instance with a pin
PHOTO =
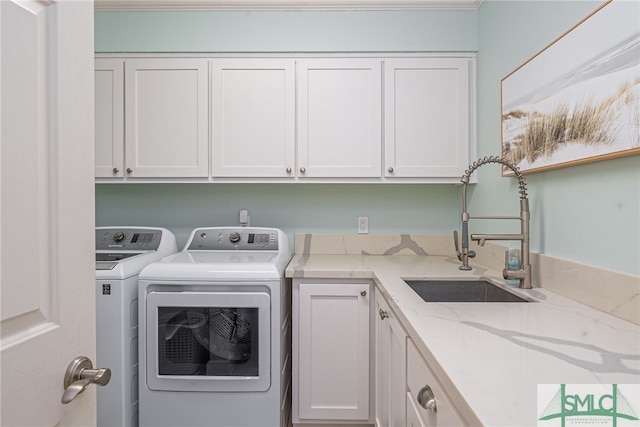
x=234, y=237
x=118, y=236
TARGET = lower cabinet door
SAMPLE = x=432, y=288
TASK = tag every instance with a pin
x=331, y=351
x=426, y=397
x=413, y=413
x=390, y=367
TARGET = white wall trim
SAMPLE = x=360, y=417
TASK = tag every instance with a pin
x=133, y=5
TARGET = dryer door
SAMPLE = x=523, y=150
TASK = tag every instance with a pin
x=208, y=341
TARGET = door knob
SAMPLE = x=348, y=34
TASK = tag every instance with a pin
x=79, y=375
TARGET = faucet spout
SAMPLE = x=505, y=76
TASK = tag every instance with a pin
x=482, y=238
x=524, y=273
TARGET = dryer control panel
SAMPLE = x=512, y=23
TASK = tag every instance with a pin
x=233, y=239
x=131, y=239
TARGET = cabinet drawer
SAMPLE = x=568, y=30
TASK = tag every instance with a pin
x=419, y=377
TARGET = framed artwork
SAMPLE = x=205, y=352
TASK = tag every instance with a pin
x=577, y=100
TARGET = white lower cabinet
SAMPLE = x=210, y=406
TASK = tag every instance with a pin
x=413, y=413
x=331, y=351
x=427, y=402
x=390, y=367
x=407, y=391
x=336, y=379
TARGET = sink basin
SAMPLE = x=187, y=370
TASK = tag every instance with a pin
x=461, y=291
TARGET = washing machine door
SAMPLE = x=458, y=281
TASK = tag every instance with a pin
x=208, y=341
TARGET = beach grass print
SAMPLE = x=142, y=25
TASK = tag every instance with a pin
x=577, y=126
x=582, y=112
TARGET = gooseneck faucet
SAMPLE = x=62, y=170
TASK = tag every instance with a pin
x=523, y=274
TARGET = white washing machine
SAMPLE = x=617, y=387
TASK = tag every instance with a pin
x=215, y=332
x=121, y=253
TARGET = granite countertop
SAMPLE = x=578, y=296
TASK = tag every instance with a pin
x=490, y=357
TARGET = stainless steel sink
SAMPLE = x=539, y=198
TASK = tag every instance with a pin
x=461, y=291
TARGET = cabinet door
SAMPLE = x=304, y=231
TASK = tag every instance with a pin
x=253, y=117
x=167, y=117
x=420, y=379
x=427, y=117
x=383, y=363
x=390, y=367
x=333, y=351
x=109, y=117
x=339, y=117
x=398, y=386
x=413, y=413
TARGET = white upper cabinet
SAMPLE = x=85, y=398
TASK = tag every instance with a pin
x=428, y=117
x=339, y=117
x=109, y=118
x=277, y=118
x=253, y=117
x=166, y=104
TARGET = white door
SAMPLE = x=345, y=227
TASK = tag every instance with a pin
x=47, y=209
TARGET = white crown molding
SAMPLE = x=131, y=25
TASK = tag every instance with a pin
x=149, y=5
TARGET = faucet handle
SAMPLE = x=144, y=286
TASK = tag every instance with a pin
x=459, y=254
x=457, y=246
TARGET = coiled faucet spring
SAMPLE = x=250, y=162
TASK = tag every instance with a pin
x=523, y=274
x=496, y=159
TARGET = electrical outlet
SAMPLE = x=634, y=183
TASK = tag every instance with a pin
x=243, y=218
x=363, y=225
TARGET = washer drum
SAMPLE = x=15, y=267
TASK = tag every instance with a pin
x=226, y=333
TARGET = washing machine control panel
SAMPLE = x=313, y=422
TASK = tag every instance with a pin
x=133, y=239
x=241, y=239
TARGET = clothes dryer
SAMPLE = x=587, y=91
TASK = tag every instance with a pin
x=215, y=332
x=121, y=253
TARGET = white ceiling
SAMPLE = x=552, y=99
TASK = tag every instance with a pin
x=287, y=4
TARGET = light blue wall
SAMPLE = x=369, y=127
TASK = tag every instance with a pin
x=296, y=208
x=320, y=31
x=587, y=213
x=293, y=207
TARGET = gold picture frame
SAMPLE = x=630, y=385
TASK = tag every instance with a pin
x=577, y=100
